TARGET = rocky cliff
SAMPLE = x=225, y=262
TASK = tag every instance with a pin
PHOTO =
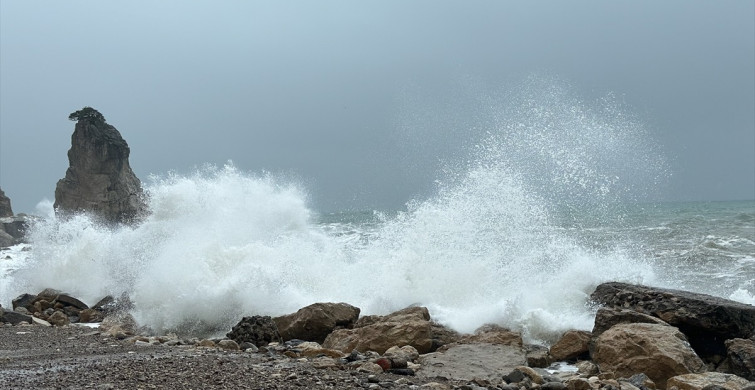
x=5, y=209
x=99, y=179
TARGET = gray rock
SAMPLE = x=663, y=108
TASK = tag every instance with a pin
x=68, y=300
x=470, y=361
x=15, y=227
x=99, y=179
x=258, y=330
x=6, y=239
x=5, y=208
x=24, y=300
x=12, y=317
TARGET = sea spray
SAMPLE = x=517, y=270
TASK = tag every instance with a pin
x=491, y=245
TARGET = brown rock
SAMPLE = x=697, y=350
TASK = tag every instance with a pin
x=659, y=351
x=228, y=344
x=207, y=343
x=90, y=315
x=493, y=334
x=537, y=356
x=58, y=318
x=406, y=353
x=741, y=357
x=606, y=317
x=702, y=380
x=573, y=345
x=410, y=326
x=316, y=321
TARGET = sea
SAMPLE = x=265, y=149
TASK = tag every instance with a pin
x=552, y=199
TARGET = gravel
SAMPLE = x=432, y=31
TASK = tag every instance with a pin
x=74, y=357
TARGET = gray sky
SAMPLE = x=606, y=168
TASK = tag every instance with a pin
x=323, y=90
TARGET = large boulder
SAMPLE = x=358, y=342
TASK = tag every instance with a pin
x=741, y=357
x=5, y=209
x=410, y=326
x=716, y=380
x=606, y=317
x=316, y=321
x=469, y=361
x=573, y=345
x=99, y=179
x=258, y=330
x=659, y=351
x=707, y=321
x=12, y=317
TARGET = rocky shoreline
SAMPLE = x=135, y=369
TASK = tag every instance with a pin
x=643, y=338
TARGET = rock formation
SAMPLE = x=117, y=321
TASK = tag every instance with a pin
x=658, y=351
x=707, y=321
x=5, y=209
x=99, y=179
x=410, y=326
x=316, y=321
x=12, y=227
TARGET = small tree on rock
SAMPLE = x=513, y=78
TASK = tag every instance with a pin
x=87, y=114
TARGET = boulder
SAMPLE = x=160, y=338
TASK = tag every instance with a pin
x=15, y=227
x=119, y=323
x=659, y=351
x=258, y=330
x=90, y=315
x=537, y=356
x=703, y=380
x=741, y=357
x=707, y=321
x=573, y=345
x=67, y=300
x=99, y=179
x=410, y=326
x=606, y=317
x=493, y=334
x=400, y=357
x=469, y=361
x=6, y=239
x=58, y=318
x=48, y=294
x=26, y=301
x=12, y=317
x=228, y=344
x=108, y=304
x=5, y=209
x=316, y=321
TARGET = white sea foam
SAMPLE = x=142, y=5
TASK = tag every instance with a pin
x=744, y=296
x=220, y=243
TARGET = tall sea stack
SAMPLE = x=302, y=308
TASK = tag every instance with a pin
x=5, y=209
x=99, y=179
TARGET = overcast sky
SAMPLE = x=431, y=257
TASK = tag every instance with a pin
x=325, y=91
